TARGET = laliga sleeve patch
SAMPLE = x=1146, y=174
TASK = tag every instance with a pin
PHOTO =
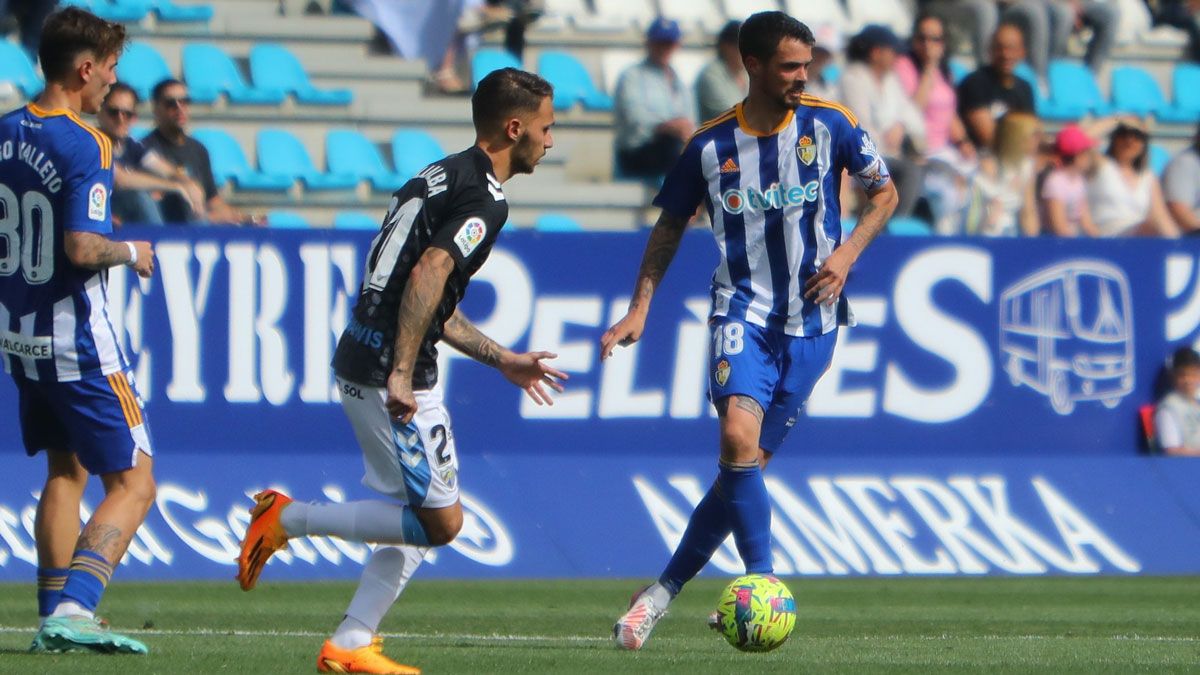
x=97, y=202
x=469, y=236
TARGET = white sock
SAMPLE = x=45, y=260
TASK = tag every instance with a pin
x=383, y=579
x=72, y=608
x=659, y=594
x=372, y=521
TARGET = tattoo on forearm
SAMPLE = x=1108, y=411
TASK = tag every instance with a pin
x=95, y=251
x=103, y=539
x=466, y=338
x=660, y=251
x=421, y=298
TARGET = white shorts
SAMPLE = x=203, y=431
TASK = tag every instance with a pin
x=415, y=463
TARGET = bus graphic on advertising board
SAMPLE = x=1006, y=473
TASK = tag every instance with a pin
x=1067, y=332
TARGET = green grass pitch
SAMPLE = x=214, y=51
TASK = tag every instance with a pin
x=1056, y=625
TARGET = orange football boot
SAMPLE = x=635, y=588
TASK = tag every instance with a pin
x=264, y=536
x=369, y=659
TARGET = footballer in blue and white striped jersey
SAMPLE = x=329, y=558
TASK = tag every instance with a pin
x=57, y=177
x=773, y=203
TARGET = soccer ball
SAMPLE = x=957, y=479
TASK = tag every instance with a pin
x=756, y=613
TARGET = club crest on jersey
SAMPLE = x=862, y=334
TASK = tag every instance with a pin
x=470, y=235
x=97, y=201
x=806, y=150
x=722, y=373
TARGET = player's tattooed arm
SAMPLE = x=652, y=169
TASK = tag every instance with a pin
x=97, y=252
x=660, y=251
x=466, y=338
x=826, y=286
x=422, y=294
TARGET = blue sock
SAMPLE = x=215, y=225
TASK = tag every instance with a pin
x=50, y=582
x=745, y=496
x=706, y=529
x=89, y=574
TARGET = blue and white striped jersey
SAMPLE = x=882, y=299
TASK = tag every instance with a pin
x=773, y=202
x=55, y=176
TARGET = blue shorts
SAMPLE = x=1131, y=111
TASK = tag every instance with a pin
x=775, y=369
x=100, y=419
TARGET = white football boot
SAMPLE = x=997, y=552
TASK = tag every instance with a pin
x=633, y=629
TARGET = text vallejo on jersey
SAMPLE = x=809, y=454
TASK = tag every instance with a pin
x=775, y=197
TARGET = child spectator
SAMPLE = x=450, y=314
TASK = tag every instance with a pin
x=1064, y=202
x=1177, y=415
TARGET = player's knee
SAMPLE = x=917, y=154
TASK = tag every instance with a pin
x=443, y=530
x=739, y=443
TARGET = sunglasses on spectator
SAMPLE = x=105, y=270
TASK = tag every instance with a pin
x=177, y=102
x=930, y=38
x=121, y=112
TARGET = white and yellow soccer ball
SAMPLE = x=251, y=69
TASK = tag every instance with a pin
x=756, y=613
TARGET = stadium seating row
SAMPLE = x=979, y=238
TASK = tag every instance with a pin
x=351, y=157
x=208, y=70
x=133, y=11
x=1074, y=93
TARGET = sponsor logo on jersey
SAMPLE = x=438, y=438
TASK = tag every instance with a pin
x=730, y=166
x=722, y=374
x=97, y=202
x=470, y=235
x=805, y=150
x=775, y=197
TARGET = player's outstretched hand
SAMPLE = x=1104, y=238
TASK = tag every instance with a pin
x=401, y=403
x=624, y=332
x=825, y=287
x=145, y=259
x=530, y=372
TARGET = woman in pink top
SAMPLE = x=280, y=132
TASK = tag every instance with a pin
x=925, y=75
x=1064, y=199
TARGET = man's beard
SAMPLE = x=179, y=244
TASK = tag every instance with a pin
x=787, y=104
x=523, y=156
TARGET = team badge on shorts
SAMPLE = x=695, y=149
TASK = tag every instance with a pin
x=805, y=150
x=722, y=374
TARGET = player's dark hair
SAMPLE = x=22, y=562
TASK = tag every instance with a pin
x=762, y=32
x=159, y=92
x=122, y=88
x=504, y=94
x=72, y=31
x=1184, y=357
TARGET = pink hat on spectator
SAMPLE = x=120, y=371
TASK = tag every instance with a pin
x=1072, y=140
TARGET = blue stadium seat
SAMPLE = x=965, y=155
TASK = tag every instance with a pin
x=1134, y=91
x=556, y=222
x=572, y=83
x=123, y=11
x=958, y=70
x=352, y=153
x=281, y=154
x=355, y=220
x=908, y=227
x=167, y=10
x=1025, y=72
x=16, y=68
x=142, y=67
x=287, y=219
x=413, y=150
x=229, y=163
x=209, y=72
x=1185, y=81
x=1159, y=158
x=1073, y=92
x=274, y=68
x=486, y=60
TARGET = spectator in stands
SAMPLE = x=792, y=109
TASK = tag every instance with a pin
x=989, y=93
x=1123, y=193
x=1003, y=202
x=138, y=172
x=1064, y=201
x=723, y=81
x=872, y=89
x=653, y=107
x=1181, y=187
x=1184, y=15
x=172, y=110
x=1177, y=415
x=822, y=80
x=506, y=20
x=980, y=15
x=1048, y=25
x=925, y=75
x=28, y=15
